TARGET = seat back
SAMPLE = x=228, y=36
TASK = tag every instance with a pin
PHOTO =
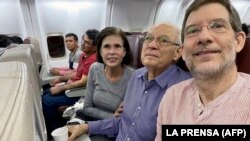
x=23, y=54
x=20, y=104
x=243, y=58
x=134, y=46
x=36, y=49
x=136, y=42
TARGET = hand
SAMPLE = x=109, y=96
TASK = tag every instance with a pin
x=119, y=111
x=54, y=81
x=54, y=71
x=56, y=90
x=77, y=130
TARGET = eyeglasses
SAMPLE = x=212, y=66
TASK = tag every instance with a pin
x=161, y=40
x=216, y=26
x=86, y=43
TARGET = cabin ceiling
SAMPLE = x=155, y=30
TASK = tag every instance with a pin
x=37, y=17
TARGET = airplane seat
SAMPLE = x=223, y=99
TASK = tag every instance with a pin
x=36, y=48
x=19, y=104
x=2, y=50
x=142, y=37
x=134, y=41
x=243, y=57
x=181, y=63
x=24, y=54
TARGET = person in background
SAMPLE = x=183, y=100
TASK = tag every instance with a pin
x=55, y=97
x=217, y=94
x=138, y=113
x=71, y=40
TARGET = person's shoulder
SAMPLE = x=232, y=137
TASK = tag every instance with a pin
x=140, y=71
x=179, y=90
x=96, y=66
x=245, y=75
x=78, y=52
x=178, y=93
x=82, y=54
x=180, y=75
x=92, y=58
x=129, y=69
x=188, y=83
x=184, y=74
x=245, y=78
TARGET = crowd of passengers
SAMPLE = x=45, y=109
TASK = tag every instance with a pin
x=122, y=103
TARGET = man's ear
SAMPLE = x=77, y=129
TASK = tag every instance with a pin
x=178, y=53
x=241, y=39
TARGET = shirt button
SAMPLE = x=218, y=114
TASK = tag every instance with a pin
x=146, y=92
x=128, y=139
x=139, y=107
x=133, y=123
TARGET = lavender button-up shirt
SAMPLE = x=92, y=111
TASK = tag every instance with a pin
x=141, y=102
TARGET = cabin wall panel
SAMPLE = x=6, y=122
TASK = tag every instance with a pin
x=11, y=17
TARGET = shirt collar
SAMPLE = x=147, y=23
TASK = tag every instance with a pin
x=164, y=78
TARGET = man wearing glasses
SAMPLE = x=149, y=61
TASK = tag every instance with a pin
x=161, y=50
x=217, y=94
x=55, y=97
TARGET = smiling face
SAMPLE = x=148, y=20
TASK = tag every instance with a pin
x=156, y=55
x=212, y=50
x=112, y=51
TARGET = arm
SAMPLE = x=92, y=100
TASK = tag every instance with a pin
x=60, y=71
x=62, y=78
x=67, y=77
x=77, y=130
x=109, y=127
x=79, y=83
x=54, y=71
x=96, y=113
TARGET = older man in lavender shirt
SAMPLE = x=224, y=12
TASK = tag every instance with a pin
x=161, y=50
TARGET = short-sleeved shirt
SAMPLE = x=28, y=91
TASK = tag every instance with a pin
x=74, y=58
x=84, y=64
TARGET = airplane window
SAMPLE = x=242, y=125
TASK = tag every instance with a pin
x=56, y=46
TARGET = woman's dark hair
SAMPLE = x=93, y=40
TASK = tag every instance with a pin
x=108, y=31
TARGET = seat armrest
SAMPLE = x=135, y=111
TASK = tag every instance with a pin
x=76, y=92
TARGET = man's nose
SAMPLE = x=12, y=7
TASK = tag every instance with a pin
x=205, y=36
x=153, y=44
